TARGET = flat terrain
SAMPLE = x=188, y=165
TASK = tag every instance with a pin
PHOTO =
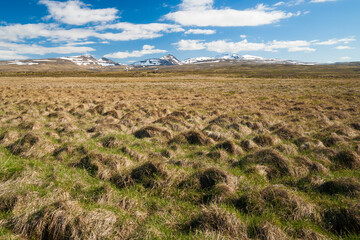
x=185, y=155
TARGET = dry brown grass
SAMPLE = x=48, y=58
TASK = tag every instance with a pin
x=228, y=157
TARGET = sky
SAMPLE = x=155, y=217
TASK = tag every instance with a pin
x=128, y=31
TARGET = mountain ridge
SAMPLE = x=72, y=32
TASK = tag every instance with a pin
x=167, y=60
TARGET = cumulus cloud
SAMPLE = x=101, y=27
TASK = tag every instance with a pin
x=289, y=3
x=345, y=58
x=201, y=13
x=35, y=49
x=223, y=46
x=337, y=41
x=321, y=1
x=75, y=12
x=11, y=55
x=343, y=47
x=200, y=31
x=52, y=32
x=147, y=49
x=132, y=31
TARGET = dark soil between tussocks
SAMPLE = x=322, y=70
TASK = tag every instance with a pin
x=343, y=220
x=345, y=186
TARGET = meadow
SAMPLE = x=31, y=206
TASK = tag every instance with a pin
x=246, y=152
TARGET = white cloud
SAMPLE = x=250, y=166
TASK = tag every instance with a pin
x=337, y=41
x=343, y=47
x=147, y=49
x=20, y=32
x=184, y=45
x=222, y=46
x=243, y=36
x=200, y=31
x=75, y=12
x=321, y=1
x=40, y=50
x=201, y=13
x=289, y=3
x=196, y=4
x=52, y=32
x=345, y=58
x=11, y=55
x=132, y=31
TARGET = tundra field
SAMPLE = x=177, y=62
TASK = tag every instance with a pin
x=243, y=152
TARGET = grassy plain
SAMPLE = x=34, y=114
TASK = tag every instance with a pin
x=214, y=153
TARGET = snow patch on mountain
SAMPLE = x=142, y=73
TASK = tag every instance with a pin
x=86, y=60
x=20, y=63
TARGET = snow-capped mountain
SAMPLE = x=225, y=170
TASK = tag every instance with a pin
x=166, y=60
x=85, y=60
x=239, y=59
x=172, y=59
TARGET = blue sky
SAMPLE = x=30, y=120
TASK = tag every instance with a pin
x=128, y=31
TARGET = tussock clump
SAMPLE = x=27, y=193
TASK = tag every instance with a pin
x=111, y=142
x=217, y=154
x=332, y=140
x=345, y=186
x=89, y=165
x=288, y=204
x=7, y=203
x=347, y=159
x=212, y=176
x=30, y=125
x=355, y=125
x=133, y=154
x=289, y=149
x=65, y=220
x=24, y=144
x=287, y=133
x=267, y=231
x=148, y=173
x=102, y=166
x=192, y=137
x=309, y=234
x=243, y=130
x=151, y=131
x=260, y=170
x=343, y=221
x=279, y=165
x=224, y=120
x=112, y=113
x=217, y=220
x=266, y=140
x=215, y=135
x=230, y=147
x=8, y=137
x=248, y=145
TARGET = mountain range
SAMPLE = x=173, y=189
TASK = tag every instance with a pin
x=167, y=60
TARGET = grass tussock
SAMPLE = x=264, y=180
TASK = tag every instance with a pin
x=181, y=154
